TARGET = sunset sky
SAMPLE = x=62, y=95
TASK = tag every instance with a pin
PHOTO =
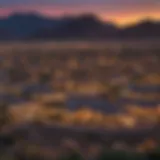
x=121, y=12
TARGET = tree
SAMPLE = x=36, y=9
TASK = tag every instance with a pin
x=4, y=115
x=44, y=78
x=114, y=93
x=73, y=155
x=120, y=155
x=154, y=154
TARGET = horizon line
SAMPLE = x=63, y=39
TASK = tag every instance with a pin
x=147, y=18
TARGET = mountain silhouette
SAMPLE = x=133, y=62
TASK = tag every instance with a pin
x=85, y=26
x=144, y=29
x=30, y=26
x=4, y=34
x=21, y=25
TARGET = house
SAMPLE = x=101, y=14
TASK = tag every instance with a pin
x=24, y=112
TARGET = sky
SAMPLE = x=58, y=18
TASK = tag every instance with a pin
x=122, y=12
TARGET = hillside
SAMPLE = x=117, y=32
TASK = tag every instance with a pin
x=35, y=27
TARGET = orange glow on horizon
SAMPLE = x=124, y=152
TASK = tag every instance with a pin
x=119, y=16
x=129, y=20
x=132, y=15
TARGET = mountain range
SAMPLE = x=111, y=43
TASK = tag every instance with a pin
x=35, y=27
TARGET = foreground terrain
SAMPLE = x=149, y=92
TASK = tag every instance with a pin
x=58, y=96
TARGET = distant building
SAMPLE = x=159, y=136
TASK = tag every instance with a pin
x=75, y=102
x=24, y=112
x=52, y=100
x=144, y=96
